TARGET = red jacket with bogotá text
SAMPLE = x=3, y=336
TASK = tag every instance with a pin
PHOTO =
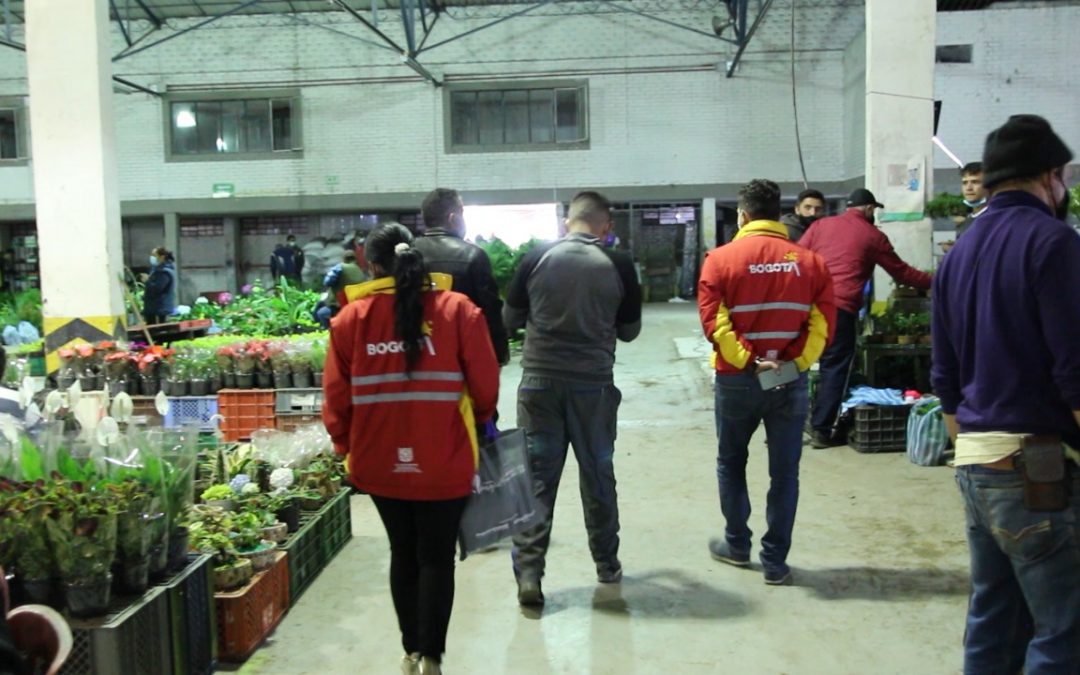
x=851, y=247
x=409, y=435
x=762, y=296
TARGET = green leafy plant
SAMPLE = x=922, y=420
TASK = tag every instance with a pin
x=247, y=531
x=217, y=492
x=81, y=528
x=946, y=205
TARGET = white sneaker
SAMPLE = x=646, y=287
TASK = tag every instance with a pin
x=410, y=664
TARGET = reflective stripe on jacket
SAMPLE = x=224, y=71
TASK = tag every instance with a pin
x=762, y=296
x=409, y=435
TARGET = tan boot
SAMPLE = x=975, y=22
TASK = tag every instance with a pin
x=410, y=664
x=429, y=666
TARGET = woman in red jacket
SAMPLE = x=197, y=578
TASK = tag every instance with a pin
x=410, y=375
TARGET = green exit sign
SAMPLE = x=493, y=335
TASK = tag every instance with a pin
x=331, y=180
x=223, y=190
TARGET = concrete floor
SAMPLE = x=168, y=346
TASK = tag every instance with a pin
x=879, y=559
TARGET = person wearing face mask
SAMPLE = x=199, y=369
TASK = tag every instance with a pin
x=809, y=207
x=1007, y=368
x=159, y=296
x=852, y=248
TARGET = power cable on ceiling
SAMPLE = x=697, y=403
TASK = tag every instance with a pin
x=794, y=100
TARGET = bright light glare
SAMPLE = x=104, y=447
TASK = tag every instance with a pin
x=222, y=146
x=513, y=224
x=184, y=119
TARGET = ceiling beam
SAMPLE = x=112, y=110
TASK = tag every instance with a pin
x=131, y=52
x=359, y=17
x=749, y=36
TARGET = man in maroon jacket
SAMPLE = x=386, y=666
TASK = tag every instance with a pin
x=851, y=247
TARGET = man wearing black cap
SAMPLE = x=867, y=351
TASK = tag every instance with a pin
x=851, y=247
x=1006, y=364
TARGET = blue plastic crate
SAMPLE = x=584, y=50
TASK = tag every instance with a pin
x=197, y=411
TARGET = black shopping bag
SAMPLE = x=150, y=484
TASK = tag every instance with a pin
x=502, y=503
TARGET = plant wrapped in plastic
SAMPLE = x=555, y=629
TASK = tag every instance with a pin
x=82, y=531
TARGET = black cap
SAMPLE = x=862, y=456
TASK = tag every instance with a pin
x=1024, y=146
x=863, y=197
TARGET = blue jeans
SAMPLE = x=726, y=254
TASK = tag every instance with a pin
x=555, y=414
x=741, y=406
x=1024, y=611
x=835, y=364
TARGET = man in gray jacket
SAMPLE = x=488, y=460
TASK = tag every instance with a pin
x=575, y=298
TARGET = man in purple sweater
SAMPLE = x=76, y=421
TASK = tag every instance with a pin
x=1006, y=365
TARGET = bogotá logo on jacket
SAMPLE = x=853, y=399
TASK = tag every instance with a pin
x=406, y=461
x=790, y=264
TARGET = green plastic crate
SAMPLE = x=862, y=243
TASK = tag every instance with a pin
x=335, y=525
x=305, y=557
x=190, y=596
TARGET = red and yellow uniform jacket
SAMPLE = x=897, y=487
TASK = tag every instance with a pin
x=762, y=296
x=409, y=435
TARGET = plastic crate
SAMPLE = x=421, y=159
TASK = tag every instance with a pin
x=190, y=596
x=246, y=617
x=298, y=401
x=880, y=428
x=290, y=422
x=304, y=555
x=196, y=411
x=244, y=411
x=335, y=525
x=144, y=411
x=132, y=638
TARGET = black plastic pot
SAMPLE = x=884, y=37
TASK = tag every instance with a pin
x=64, y=382
x=317, y=377
x=132, y=576
x=178, y=549
x=302, y=380
x=264, y=381
x=283, y=381
x=87, y=382
x=88, y=599
x=159, y=560
x=38, y=591
x=199, y=387
x=244, y=381
x=99, y=382
x=214, y=384
x=177, y=388
x=116, y=387
x=149, y=386
x=290, y=515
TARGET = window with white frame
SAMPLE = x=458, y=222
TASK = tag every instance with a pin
x=517, y=116
x=13, y=140
x=230, y=127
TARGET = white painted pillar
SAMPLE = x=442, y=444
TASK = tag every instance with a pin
x=708, y=224
x=74, y=162
x=900, y=39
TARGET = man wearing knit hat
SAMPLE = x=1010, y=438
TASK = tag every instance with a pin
x=1006, y=364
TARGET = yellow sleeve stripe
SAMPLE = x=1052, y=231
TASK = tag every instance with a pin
x=816, y=339
x=468, y=418
x=727, y=341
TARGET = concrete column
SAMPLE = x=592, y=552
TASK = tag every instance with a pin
x=75, y=182
x=708, y=224
x=900, y=38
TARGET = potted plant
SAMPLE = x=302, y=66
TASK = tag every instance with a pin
x=260, y=350
x=281, y=365
x=245, y=360
x=247, y=537
x=265, y=507
x=87, y=358
x=33, y=555
x=82, y=531
x=921, y=326
x=179, y=374
x=226, y=366
x=201, y=366
x=150, y=367
x=946, y=205
x=300, y=364
x=905, y=327
x=118, y=371
x=67, y=373
x=317, y=357
x=132, y=568
x=211, y=533
x=179, y=474
x=220, y=496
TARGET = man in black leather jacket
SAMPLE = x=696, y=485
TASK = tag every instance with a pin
x=445, y=251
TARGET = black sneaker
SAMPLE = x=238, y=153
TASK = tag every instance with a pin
x=529, y=593
x=778, y=576
x=609, y=573
x=720, y=551
x=819, y=441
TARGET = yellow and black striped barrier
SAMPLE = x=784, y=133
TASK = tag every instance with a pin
x=63, y=332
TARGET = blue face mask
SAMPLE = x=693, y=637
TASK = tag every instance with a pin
x=153, y=261
x=973, y=205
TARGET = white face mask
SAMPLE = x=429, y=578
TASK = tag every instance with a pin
x=153, y=261
x=974, y=205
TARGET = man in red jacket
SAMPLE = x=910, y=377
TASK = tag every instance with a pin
x=851, y=247
x=765, y=303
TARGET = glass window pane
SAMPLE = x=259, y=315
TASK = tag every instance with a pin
x=281, y=113
x=230, y=137
x=516, y=115
x=255, y=127
x=491, y=117
x=463, y=118
x=541, y=115
x=9, y=144
x=208, y=126
x=568, y=116
x=184, y=131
